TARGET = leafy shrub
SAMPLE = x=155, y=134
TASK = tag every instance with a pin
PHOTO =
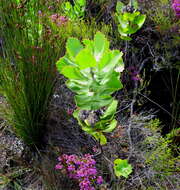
x=161, y=157
x=75, y=11
x=93, y=72
x=162, y=16
x=80, y=29
x=122, y=168
x=129, y=19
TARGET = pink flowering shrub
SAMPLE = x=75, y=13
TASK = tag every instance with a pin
x=82, y=169
x=58, y=20
x=176, y=7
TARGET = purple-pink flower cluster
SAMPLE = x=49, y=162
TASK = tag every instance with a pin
x=134, y=74
x=176, y=7
x=81, y=169
x=58, y=19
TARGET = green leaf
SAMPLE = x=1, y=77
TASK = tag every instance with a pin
x=92, y=102
x=139, y=20
x=130, y=16
x=110, y=84
x=18, y=1
x=119, y=7
x=76, y=114
x=123, y=21
x=122, y=168
x=123, y=32
x=72, y=73
x=134, y=4
x=88, y=129
x=127, y=38
x=104, y=61
x=81, y=2
x=85, y=59
x=101, y=138
x=64, y=61
x=73, y=46
x=100, y=45
x=111, y=110
x=67, y=6
x=88, y=43
x=111, y=126
x=116, y=57
x=79, y=87
x=40, y=29
x=132, y=29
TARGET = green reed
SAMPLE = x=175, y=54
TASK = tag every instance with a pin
x=27, y=69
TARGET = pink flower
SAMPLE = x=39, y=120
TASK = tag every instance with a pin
x=71, y=168
x=54, y=17
x=99, y=180
x=135, y=78
x=58, y=20
x=95, y=149
x=65, y=156
x=85, y=184
x=58, y=167
x=70, y=111
x=92, y=171
x=176, y=7
x=80, y=173
x=80, y=168
x=40, y=13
